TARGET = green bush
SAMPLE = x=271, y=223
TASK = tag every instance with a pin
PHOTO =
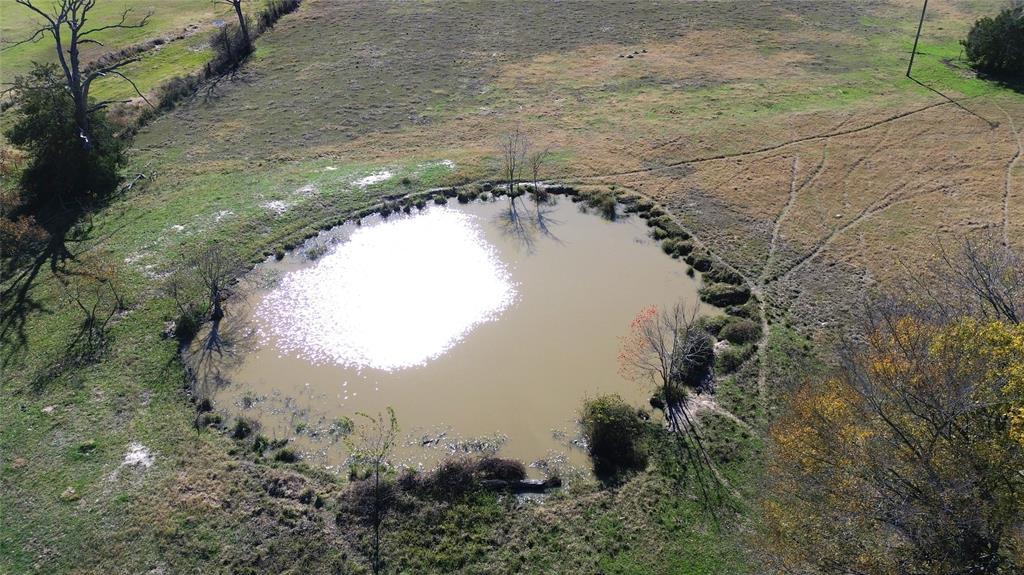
x=721, y=295
x=740, y=331
x=451, y=479
x=614, y=434
x=243, y=428
x=700, y=261
x=749, y=310
x=731, y=358
x=605, y=203
x=286, y=455
x=720, y=274
x=996, y=45
x=676, y=247
x=63, y=174
x=713, y=324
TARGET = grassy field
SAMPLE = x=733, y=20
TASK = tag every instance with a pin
x=786, y=137
x=185, y=25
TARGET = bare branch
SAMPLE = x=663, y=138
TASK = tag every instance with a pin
x=120, y=25
x=35, y=37
x=53, y=22
x=137, y=91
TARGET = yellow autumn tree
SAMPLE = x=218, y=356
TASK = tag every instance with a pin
x=909, y=460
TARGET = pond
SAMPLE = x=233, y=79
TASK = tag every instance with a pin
x=485, y=328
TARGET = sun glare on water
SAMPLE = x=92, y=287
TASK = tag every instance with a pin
x=395, y=295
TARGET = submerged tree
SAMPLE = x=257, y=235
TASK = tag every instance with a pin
x=535, y=162
x=371, y=446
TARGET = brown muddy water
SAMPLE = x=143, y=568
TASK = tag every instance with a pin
x=484, y=331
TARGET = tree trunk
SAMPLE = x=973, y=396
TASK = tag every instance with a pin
x=242, y=25
x=376, y=519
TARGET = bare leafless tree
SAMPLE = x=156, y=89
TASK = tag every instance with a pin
x=65, y=21
x=990, y=273
x=669, y=348
x=200, y=286
x=535, y=163
x=216, y=270
x=243, y=23
x=514, y=149
x=978, y=277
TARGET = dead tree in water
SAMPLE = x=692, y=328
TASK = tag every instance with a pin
x=535, y=163
x=65, y=22
x=216, y=269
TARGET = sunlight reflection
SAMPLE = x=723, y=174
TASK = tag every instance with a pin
x=396, y=295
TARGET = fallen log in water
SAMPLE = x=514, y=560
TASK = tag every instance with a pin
x=522, y=485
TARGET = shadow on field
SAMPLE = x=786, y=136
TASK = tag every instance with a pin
x=990, y=123
x=16, y=300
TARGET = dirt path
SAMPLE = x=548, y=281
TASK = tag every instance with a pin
x=771, y=148
x=887, y=201
x=777, y=227
x=1009, y=176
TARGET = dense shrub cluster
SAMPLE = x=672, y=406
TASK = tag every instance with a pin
x=740, y=331
x=676, y=247
x=456, y=477
x=996, y=45
x=731, y=358
x=615, y=435
x=713, y=324
x=700, y=260
x=229, y=50
x=722, y=274
x=272, y=12
x=722, y=295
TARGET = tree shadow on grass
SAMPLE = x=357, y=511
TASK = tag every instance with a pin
x=64, y=224
x=17, y=302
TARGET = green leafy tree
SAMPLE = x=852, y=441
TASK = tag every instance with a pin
x=996, y=45
x=61, y=173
